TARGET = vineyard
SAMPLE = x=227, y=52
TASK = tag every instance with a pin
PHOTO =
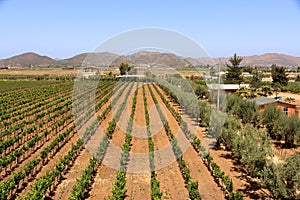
x=59, y=144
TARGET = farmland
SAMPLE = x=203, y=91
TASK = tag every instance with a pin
x=102, y=139
x=43, y=145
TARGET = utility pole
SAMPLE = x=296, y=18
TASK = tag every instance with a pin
x=219, y=80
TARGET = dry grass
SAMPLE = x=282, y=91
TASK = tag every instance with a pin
x=57, y=72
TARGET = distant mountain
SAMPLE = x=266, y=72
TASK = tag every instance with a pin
x=28, y=59
x=272, y=58
x=97, y=59
x=33, y=59
x=144, y=58
x=265, y=60
x=152, y=58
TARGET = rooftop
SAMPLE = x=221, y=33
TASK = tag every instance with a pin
x=264, y=100
x=226, y=86
x=131, y=76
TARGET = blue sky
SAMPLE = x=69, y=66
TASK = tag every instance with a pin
x=64, y=28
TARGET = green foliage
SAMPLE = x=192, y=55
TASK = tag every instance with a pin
x=251, y=145
x=204, y=113
x=124, y=68
x=201, y=91
x=281, y=126
x=228, y=183
x=193, y=190
x=229, y=135
x=181, y=92
x=256, y=80
x=119, y=189
x=39, y=188
x=248, y=111
x=297, y=78
x=234, y=70
x=266, y=91
x=78, y=190
x=290, y=171
x=119, y=185
x=233, y=104
x=290, y=130
x=220, y=175
x=291, y=87
x=156, y=194
x=272, y=179
x=253, y=148
x=283, y=180
x=272, y=117
x=216, y=124
x=279, y=75
x=112, y=124
x=191, y=186
x=236, y=196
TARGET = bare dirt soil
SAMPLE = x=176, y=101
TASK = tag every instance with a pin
x=287, y=95
x=138, y=182
x=171, y=181
x=106, y=174
x=207, y=187
x=250, y=187
x=63, y=190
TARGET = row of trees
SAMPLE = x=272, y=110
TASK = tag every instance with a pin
x=280, y=126
x=283, y=179
x=250, y=144
x=234, y=75
x=196, y=143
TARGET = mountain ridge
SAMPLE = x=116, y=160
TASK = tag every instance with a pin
x=143, y=58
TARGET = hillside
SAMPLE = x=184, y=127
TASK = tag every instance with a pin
x=143, y=58
x=154, y=58
x=97, y=59
x=28, y=59
x=266, y=60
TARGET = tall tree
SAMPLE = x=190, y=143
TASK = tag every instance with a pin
x=298, y=78
x=234, y=70
x=271, y=118
x=124, y=68
x=279, y=75
x=291, y=175
x=291, y=130
x=256, y=80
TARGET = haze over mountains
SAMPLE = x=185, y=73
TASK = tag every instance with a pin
x=143, y=58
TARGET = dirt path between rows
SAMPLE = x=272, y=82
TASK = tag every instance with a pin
x=64, y=188
x=106, y=174
x=53, y=161
x=137, y=182
x=241, y=182
x=207, y=186
x=247, y=185
x=168, y=173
